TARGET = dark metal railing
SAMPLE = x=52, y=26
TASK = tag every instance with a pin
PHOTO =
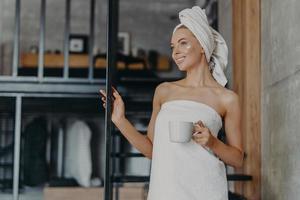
x=91, y=41
x=79, y=90
x=66, y=40
x=42, y=40
x=40, y=77
x=16, y=49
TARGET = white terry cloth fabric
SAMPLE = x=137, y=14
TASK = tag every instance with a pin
x=78, y=161
x=214, y=45
x=186, y=171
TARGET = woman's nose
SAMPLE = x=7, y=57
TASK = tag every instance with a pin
x=175, y=50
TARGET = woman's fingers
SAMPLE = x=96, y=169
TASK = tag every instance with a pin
x=199, y=128
x=197, y=134
x=103, y=93
x=104, y=96
x=116, y=93
x=114, y=90
x=201, y=123
x=199, y=138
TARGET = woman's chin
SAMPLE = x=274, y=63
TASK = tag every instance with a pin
x=182, y=67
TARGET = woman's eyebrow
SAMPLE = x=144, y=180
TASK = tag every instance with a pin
x=179, y=40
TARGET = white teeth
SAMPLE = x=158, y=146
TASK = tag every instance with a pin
x=180, y=59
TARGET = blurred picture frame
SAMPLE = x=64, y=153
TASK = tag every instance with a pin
x=124, y=43
x=78, y=43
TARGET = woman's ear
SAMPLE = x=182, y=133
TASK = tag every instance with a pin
x=202, y=50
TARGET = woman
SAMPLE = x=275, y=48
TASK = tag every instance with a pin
x=193, y=170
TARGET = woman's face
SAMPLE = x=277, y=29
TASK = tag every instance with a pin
x=186, y=50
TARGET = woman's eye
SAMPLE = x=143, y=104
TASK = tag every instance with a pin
x=183, y=42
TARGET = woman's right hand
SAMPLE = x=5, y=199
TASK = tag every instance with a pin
x=118, y=107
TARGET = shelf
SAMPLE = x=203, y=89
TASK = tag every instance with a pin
x=239, y=177
x=117, y=132
x=5, y=150
x=30, y=60
x=6, y=165
x=130, y=179
x=6, y=181
x=123, y=179
x=124, y=155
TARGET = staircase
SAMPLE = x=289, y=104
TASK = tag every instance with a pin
x=6, y=152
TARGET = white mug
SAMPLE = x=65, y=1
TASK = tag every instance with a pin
x=180, y=131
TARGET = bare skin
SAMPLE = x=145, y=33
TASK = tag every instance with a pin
x=198, y=85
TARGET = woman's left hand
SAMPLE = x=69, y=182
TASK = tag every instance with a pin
x=202, y=135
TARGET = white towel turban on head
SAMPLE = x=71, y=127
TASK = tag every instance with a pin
x=214, y=45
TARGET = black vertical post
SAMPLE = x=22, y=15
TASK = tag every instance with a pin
x=16, y=50
x=112, y=38
x=91, y=41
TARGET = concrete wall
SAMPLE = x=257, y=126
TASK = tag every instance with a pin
x=225, y=28
x=280, y=99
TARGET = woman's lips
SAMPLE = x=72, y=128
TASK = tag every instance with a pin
x=180, y=60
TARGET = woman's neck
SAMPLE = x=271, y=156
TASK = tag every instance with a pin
x=199, y=76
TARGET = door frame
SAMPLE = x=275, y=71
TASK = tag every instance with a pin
x=246, y=45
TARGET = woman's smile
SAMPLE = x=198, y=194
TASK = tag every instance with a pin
x=180, y=60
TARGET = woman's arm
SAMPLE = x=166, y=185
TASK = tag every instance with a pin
x=231, y=153
x=138, y=140
x=141, y=142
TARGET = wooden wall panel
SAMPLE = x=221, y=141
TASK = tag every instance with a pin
x=247, y=83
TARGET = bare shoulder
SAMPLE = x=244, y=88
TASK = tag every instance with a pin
x=162, y=88
x=161, y=91
x=230, y=99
